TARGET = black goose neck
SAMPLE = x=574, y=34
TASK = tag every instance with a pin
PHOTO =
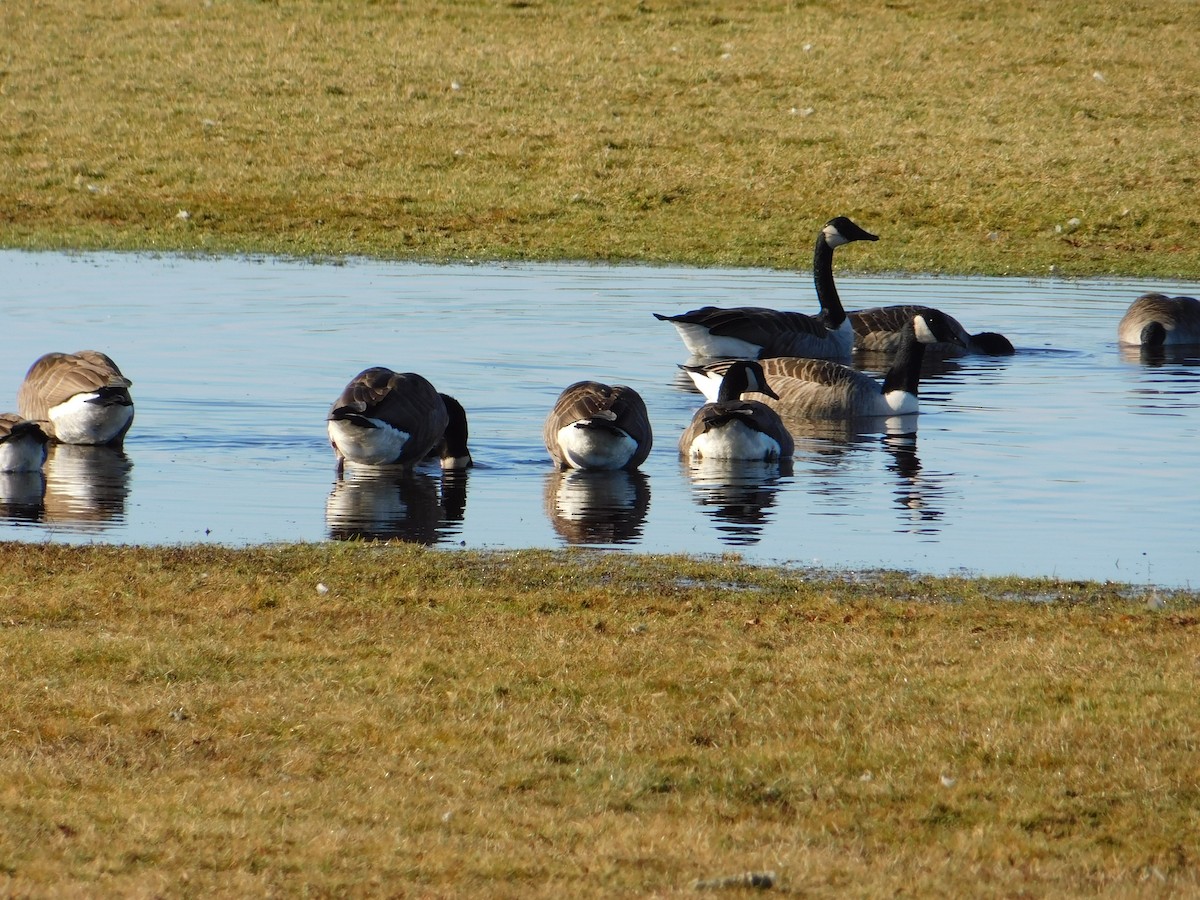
x=827, y=294
x=905, y=373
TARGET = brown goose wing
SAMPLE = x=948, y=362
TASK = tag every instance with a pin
x=755, y=324
x=56, y=377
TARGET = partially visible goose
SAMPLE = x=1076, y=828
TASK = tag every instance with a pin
x=733, y=428
x=78, y=398
x=452, y=451
x=1156, y=320
x=597, y=426
x=822, y=389
x=22, y=444
x=756, y=332
x=882, y=328
x=387, y=418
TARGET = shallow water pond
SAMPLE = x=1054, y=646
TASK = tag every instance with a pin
x=1069, y=459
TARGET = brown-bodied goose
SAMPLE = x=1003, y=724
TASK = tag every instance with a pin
x=822, y=389
x=882, y=329
x=78, y=398
x=757, y=332
x=387, y=418
x=22, y=444
x=598, y=426
x=733, y=428
x=1156, y=320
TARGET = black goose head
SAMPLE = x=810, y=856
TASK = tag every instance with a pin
x=840, y=230
x=932, y=327
x=744, y=376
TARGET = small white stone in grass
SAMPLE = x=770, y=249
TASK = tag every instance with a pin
x=183, y=214
x=322, y=587
x=866, y=776
x=1098, y=75
x=949, y=782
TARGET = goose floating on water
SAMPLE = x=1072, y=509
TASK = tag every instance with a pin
x=881, y=328
x=387, y=418
x=730, y=427
x=598, y=426
x=1156, y=320
x=822, y=389
x=757, y=332
x=77, y=398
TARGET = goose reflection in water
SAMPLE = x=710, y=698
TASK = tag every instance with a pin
x=1187, y=355
x=86, y=486
x=918, y=494
x=379, y=504
x=738, y=494
x=597, y=507
x=22, y=496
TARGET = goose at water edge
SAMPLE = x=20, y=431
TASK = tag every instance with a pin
x=822, y=389
x=387, y=418
x=1156, y=320
x=757, y=332
x=77, y=398
x=598, y=426
x=733, y=428
x=882, y=328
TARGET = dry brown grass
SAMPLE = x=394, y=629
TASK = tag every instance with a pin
x=966, y=134
x=206, y=722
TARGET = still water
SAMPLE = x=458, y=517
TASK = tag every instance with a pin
x=1069, y=459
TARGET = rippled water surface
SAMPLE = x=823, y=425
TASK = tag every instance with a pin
x=1069, y=459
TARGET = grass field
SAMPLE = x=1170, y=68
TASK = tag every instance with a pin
x=351, y=720
x=357, y=720
x=997, y=137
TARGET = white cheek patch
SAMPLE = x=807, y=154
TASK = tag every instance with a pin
x=78, y=421
x=833, y=237
x=924, y=334
x=379, y=446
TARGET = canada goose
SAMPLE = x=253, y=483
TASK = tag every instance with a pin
x=595, y=426
x=756, y=332
x=387, y=418
x=822, y=389
x=733, y=428
x=1156, y=320
x=78, y=398
x=22, y=444
x=882, y=328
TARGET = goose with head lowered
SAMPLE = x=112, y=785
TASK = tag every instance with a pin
x=1156, y=320
x=78, y=398
x=882, y=328
x=598, y=426
x=822, y=389
x=388, y=418
x=752, y=332
x=731, y=427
